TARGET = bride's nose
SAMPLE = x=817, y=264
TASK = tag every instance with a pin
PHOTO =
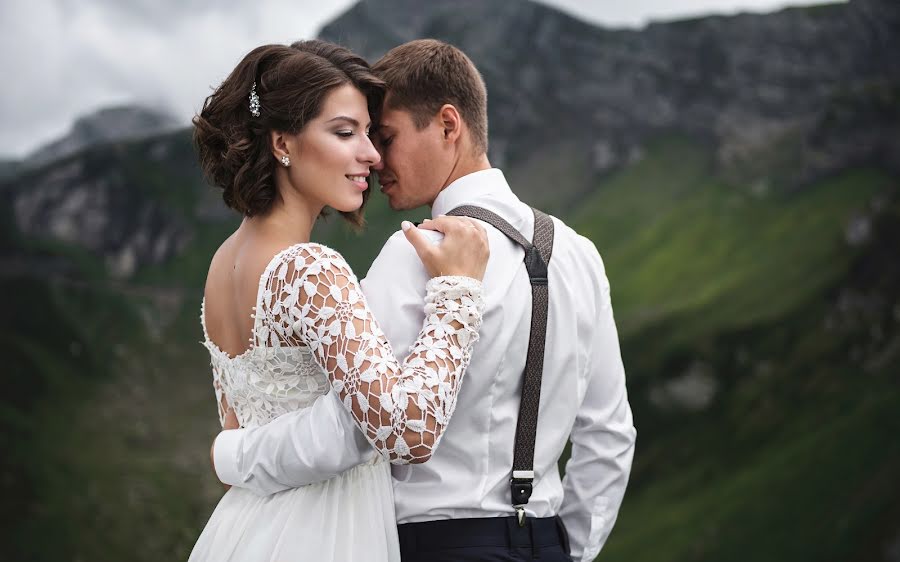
x=369, y=155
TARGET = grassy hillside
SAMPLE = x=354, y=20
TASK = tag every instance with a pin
x=794, y=457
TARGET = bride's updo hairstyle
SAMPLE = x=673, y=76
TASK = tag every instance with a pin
x=232, y=134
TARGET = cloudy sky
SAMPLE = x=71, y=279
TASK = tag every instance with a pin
x=64, y=58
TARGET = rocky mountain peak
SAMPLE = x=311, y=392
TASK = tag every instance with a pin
x=126, y=122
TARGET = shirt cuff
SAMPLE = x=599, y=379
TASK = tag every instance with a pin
x=226, y=456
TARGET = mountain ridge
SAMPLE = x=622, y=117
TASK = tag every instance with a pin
x=740, y=82
x=104, y=125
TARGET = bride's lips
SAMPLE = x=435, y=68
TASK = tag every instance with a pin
x=359, y=180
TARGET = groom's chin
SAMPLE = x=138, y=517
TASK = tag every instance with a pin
x=397, y=205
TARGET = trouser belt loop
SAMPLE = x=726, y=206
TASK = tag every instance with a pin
x=511, y=531
x=563, y=534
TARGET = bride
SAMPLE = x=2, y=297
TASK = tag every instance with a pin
x=284, y=320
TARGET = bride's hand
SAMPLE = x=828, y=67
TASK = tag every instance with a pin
x=463, y=251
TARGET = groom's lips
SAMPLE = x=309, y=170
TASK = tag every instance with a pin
x=385, y=185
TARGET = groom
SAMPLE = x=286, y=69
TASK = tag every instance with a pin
x=433, y=140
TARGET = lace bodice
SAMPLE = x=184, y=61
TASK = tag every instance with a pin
x=312, y=329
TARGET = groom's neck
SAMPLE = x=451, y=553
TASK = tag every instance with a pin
x=466, y=166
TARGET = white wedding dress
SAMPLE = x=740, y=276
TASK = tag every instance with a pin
x=313, y=333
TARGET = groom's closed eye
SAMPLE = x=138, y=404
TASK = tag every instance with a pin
x=380, y=141
x=380, y=136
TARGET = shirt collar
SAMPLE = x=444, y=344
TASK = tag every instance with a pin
x=468, y=189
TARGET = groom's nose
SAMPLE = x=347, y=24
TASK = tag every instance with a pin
x=379, y=165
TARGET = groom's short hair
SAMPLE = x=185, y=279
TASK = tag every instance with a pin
x=425, y=74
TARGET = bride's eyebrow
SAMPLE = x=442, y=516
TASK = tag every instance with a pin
x=350, y=120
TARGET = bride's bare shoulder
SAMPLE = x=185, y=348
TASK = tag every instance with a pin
x=240, y=260
x=219, y=265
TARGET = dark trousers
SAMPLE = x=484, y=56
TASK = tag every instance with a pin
x=490, y=539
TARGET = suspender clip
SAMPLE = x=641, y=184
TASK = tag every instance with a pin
x=520, y=514
x=520, y=490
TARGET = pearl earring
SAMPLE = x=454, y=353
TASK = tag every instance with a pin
x=286, y=161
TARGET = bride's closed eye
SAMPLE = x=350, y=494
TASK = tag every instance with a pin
x=347, y=133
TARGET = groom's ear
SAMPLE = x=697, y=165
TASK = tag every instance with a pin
x=450, y=122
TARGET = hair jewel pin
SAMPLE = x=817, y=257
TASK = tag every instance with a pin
x=254, y=101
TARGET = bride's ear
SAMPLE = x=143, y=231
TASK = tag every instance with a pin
x=281, y=146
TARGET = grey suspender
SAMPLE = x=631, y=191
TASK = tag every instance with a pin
x=537, y=258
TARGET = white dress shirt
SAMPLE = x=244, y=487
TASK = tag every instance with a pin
x=583, y=396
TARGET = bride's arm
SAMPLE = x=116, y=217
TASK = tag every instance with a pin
x=313, y=299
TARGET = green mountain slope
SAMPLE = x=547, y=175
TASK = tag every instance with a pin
x=794, y=457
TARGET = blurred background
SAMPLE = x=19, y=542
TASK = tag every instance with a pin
x=735, y=162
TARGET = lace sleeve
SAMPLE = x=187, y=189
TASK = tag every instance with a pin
x=312, y=298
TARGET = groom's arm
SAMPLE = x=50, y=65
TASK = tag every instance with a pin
x=293, y=450
x=602, y=438
x=322, y=441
